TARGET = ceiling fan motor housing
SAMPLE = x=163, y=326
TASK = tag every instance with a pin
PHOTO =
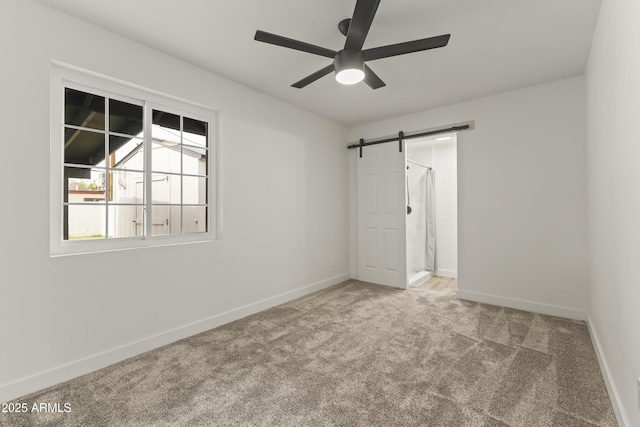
x=345, y=59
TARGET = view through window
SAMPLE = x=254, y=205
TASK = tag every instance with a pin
x=132, y=171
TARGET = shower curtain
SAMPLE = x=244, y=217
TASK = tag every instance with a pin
x=430, y=263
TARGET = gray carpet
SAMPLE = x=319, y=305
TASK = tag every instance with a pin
x=352, y=355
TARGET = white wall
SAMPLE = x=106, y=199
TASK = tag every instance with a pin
x=521, y=195
x=446, y=168
x=613, y=114
x=285, y=208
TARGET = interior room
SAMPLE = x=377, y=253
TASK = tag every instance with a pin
x=216, y=232
x=432, y=209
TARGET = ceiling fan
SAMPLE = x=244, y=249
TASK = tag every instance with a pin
x=349, y=63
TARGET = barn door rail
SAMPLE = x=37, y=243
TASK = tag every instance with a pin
x=402, y=136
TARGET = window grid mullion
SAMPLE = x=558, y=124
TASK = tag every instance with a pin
x=107, y=167
x=181, y=173
x=148, y=181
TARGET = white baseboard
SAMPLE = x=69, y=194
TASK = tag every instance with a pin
x=447, y=273
x=519, y=304
x=15, y=389
x=614, y=396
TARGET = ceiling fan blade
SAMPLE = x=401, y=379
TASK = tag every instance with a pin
x=406, y=47
x=277, y=40
x=313, y=77
x=360, y=23
x=371, y=79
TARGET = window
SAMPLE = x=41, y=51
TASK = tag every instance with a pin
x=130, y=167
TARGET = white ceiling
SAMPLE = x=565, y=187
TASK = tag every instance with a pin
x=495, y=46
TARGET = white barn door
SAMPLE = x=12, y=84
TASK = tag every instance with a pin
x=382, y=216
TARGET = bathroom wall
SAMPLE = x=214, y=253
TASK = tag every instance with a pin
x=446, y=179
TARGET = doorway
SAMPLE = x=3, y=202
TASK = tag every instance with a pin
x=431, y=186
x=407, y=211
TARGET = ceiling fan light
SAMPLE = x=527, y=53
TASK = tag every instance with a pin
x=349, y=67
x=349, y=76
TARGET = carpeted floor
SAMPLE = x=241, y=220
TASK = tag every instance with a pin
x=352, y=355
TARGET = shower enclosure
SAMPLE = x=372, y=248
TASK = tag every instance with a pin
x=420, y=223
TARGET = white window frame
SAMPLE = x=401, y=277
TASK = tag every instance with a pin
x=62, y=76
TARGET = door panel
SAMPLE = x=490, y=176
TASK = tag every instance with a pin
x=371, y=192
x=371, y=248
x=391, y=250
x=391, y=192
x=381, y=216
